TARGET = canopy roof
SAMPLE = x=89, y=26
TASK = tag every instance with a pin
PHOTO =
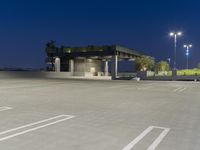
x=93, y=51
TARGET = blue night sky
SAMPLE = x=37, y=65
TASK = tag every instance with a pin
x=26, y=26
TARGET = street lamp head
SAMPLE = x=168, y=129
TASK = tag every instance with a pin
x=189, y=46
x=175, y=33
x=171, y=34
x=179, y=33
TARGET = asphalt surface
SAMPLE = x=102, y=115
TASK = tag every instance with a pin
x=44, y=114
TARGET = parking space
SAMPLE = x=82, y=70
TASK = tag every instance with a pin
x=49, y=114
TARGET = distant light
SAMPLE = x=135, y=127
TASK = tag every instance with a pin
x=187, y=54
x=190, y=45
x=184, y=45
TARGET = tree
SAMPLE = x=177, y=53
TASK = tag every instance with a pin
x=162, y=66
x=50, y=50
x=144, y=63
x=50, y=47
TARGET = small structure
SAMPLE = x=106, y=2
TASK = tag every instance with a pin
x=87, y=61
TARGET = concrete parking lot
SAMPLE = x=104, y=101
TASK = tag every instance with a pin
x=53, y=114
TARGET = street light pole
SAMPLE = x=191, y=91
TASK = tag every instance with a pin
x=175, y=45
x=169, y=61
x=175, y=35
x=187, y=54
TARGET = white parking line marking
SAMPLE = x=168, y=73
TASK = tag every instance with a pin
x=137, y=139
x=60, y=117
x=5, y=108
x=144, y=133
x=159, y=139
x=177, y=89
x=180, y=89
x=183, y=89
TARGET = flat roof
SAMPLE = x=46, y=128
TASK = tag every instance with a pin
x=91, y=50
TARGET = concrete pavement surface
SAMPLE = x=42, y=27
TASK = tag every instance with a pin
x=53, y=114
